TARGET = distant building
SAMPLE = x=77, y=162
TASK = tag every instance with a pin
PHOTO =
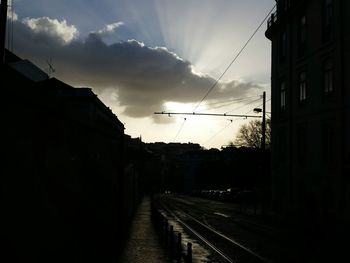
x=169, y=174
x=311, y=111
x=186, y=167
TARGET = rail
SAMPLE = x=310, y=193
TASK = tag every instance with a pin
x=253, y=256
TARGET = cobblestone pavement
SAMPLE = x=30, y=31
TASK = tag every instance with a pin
x=143, y=244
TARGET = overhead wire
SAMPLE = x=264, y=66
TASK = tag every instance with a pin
x=227, y=68
x=220, y=131
x=242, y=106
x=234, y=59
x=258, y=106
x=231, y=100
x=221, y=106
x=178, y=132
x=227, y=103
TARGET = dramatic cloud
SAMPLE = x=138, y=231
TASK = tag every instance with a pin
x=140, y=79
x=52, y=27
x=109, y=29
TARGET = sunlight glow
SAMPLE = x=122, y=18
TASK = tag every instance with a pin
x=208, y=34
x=178, y=107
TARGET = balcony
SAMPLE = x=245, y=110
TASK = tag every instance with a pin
x=272, y=19
x=283, y=7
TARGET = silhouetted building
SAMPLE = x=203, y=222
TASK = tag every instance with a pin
x=167, y=164
x=185, y=168
x=311, y=111
x=62, y=170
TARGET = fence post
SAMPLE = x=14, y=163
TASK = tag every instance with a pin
x=178, y=248
x=189, y=252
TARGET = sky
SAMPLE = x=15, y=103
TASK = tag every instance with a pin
x=146, y=56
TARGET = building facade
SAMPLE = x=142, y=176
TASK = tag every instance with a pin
x=62, y=170
x=310, y=77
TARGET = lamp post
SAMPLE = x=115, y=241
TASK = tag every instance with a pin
x=263, y=123
x=3, y=19
x=263, y=147
x=263, y=139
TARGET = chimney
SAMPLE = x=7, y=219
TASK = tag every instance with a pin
x=3, y=20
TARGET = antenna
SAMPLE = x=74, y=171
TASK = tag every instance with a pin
x=50, y=69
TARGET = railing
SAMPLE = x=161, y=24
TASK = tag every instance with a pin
x=283, y=6
x=272, y=19
x=172, y=241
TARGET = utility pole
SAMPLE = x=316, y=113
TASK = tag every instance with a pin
x=263, y=130
x=263, y=147
x=3, y=20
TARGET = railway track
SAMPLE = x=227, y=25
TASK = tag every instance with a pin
x=225, y=248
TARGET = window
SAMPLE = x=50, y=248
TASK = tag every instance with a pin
x=301, y=35
x=283, y=95
x=327, y=19
x=283, y=46
x=302, y=86
x=328, y=78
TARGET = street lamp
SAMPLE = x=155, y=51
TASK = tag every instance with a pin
x=263, y=142
x=263, y=124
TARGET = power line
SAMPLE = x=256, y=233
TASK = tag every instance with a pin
x=182, y=125
x=258, y=106
x=242, y=106
x=216, y=134
x=235, y=58
x=232, y=100
x=227, y=103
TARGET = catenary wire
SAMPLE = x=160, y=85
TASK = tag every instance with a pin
x=178, y=132
x=257, y=106
x=227, y=103
x=234, y=59
x=220, y=131
x=242, y=106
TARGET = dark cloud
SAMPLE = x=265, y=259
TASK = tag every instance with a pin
x=144, y=78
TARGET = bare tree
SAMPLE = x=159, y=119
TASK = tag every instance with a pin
x=250, y=134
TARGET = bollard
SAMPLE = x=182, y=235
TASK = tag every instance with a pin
x=178, y=248
x=189, y=252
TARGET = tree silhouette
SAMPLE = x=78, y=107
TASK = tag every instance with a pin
x=250, y=134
